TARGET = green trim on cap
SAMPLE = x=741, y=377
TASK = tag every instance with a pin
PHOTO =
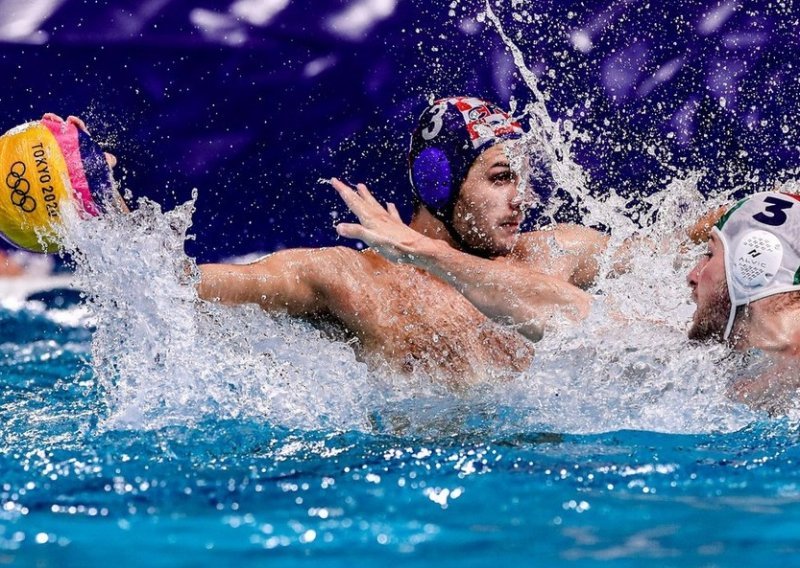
x=728, y=213
x=797, y=277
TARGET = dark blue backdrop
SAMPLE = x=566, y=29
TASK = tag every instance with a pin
x=253, y=101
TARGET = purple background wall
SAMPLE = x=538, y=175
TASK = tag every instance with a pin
x=253, y=101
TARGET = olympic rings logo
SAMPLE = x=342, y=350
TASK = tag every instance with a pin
x=20, y=188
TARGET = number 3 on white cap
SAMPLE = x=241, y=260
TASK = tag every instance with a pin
x=776, y=210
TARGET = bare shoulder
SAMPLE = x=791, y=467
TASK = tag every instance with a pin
x=564, y=238
x=302, y=281
x=567, y=251
x=329, y=268
x=307, y=259
x=577, y=236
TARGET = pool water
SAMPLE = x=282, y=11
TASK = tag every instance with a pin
x=139, y=426
x=469, y=485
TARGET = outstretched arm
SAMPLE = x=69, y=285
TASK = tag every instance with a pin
x=503, y=289
x=285, y=281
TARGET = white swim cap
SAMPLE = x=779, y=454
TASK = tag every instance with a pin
x=761, y=239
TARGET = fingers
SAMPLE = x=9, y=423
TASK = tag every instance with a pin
x=342, y=188
x=351, y=231
x=121, y=202
x=366, y=195
x=111, y=160
x=345, y=191
x=361, y=202
x=701, y=230
x=394, y=212
x=78, y=123
x=353, y=201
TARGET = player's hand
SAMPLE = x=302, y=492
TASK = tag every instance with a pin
x=700, y=232
x=111, y=159
x=380, y=228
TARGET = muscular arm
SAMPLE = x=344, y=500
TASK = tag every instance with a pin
x=570, y=252
x=286, y=281
x=503, y=289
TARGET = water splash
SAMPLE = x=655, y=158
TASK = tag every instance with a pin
x=630, y=364
x=550, y=140
x=161, y=356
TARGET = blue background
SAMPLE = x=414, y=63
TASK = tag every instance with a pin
x=253, y=113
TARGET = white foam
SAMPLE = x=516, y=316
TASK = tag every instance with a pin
x=161, y=356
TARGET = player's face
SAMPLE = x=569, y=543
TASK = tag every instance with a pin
x=491, y=206
x=710, y=294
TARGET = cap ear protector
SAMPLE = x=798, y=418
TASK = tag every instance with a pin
x=450, y=135
x=760, y=236
x=44, y=166
x=756, y=260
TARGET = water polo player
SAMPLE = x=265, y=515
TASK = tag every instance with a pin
x=402, y=317
x=747, y=288
x=747, y=292
x=510, y=276
x=468, y=199
x=47, y=165
x=450, y=136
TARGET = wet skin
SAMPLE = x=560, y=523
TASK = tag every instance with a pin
x=710, y=293
x=491, y=206
x=405, y=318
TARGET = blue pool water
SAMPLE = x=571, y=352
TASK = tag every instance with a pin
x=471, y=488
x=140, y=427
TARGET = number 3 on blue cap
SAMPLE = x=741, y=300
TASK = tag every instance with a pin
x=435, y=126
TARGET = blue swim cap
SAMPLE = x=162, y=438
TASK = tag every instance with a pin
x=450, y=135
